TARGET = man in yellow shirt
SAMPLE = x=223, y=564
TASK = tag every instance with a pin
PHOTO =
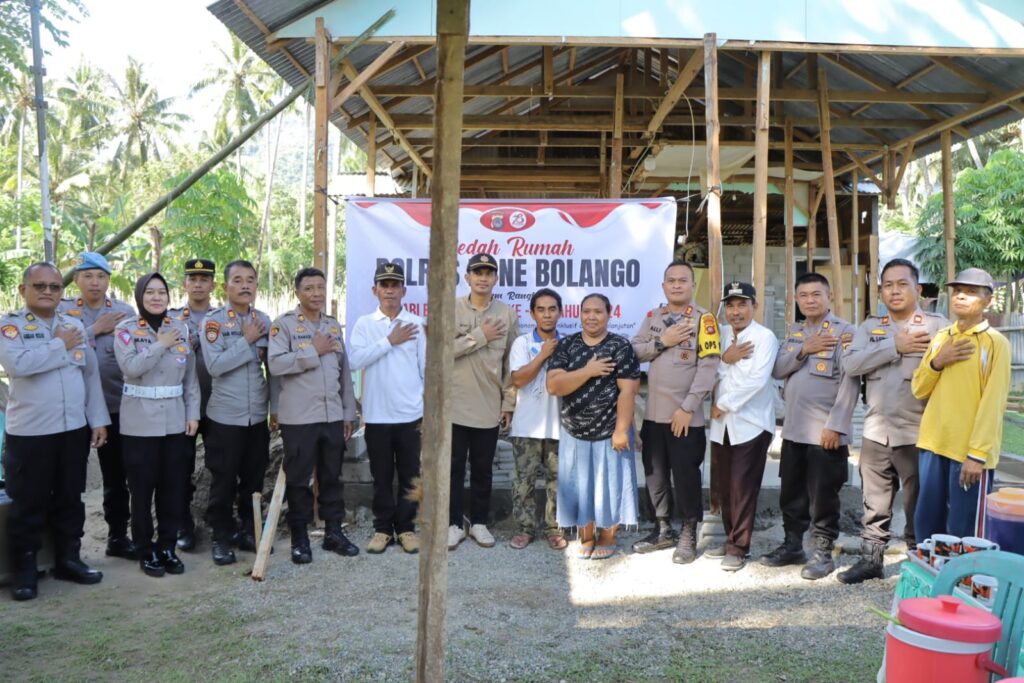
x=965, y=375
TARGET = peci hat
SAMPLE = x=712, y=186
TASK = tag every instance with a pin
x=389, y=271
x=91, y=260
x=200, y=266
x=974, y=277
x=479, y=261
x=739, y=290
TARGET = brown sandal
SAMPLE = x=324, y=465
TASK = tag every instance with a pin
x=557, y=542
x=520, y=541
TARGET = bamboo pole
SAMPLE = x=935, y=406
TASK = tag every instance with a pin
x=828, y=180
x=764, y=73
x=714, y=201
x=452, y=32
x=226, y=151
x=320, y=145
x=948, y=212
x=259, y=568
x=257, y=517
x=790, y=251
x=856, y=279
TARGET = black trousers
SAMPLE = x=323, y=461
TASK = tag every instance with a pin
x=883, y=471
x=738, y=475
x=477, y=445
x=45, y=478
x=316, y=447
x=157, y=466
x=187, y=523
x=116, y=500
x=393, y=449
x=811, y=480
x=679, y=457
x=237, y=459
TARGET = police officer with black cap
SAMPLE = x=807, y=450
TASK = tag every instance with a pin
x=55, y=413
x=199, y=284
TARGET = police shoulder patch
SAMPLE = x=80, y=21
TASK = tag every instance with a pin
x=274, y=329
x=10, y=331
x=212, y=330
x=125, y=337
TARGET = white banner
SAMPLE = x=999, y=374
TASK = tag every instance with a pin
x=618, y=248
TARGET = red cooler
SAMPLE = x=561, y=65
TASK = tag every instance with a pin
x=941, y=639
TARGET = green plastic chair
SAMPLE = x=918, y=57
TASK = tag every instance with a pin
x=1008, y=570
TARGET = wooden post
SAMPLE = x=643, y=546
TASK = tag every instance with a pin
x=828, y=180
x=452, y=31
x=371, y=156
x=257, y=517
x=790, y=251
x=760, y=240
x=320, y=148
x=812, y=226
x=873, y=282
x=714, y=200
x=259, y=568
x=948, y=211
x=603, y=163
x=615, y=172
x=856, y=279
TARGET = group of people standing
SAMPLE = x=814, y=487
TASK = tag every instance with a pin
x=140, y=386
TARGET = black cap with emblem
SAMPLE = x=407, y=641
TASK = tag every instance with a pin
x=479, y=261
x=200, y=266
x=389, y=271
x=739, y=290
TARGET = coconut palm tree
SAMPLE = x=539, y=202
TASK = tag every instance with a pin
x=87, y=104
x=17, y=117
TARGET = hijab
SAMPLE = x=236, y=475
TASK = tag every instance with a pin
x=153, y=319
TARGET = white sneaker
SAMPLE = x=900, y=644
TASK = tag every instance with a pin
x=480, y=534
x=455, y=536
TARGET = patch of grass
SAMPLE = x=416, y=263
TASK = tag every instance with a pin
x=1013, y=435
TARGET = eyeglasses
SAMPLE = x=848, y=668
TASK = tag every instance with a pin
x=43, y=286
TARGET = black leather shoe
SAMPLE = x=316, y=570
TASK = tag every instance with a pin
x=171, y=562
x=222, y=552
x=186, y=540
x=821, y=563
x=686, y=549
x=870, y=566
x=301, y=552
x=662, y=538
x=25, y=578
x=791, y=551
x=151, y=564
x=336, y=541
x=71, y=568
x=246, y=541
x=121, y=546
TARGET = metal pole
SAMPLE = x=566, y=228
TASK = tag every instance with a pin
x=39, y=104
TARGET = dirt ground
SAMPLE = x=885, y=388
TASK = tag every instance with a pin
x=531, y=615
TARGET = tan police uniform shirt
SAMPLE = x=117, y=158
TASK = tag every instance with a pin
x=147, y=363
x=53, y=389
x=818, y=394
x=194, y=321
x=240, y=392
x=103, y=345
x=683, y=375
x=894, y=415
x=482, y=381
x=314, y=388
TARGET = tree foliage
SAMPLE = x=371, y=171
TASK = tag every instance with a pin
x=16, y=34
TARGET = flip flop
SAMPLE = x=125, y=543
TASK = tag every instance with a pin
x=557, y=542
x=584, y=552
x=603, y=552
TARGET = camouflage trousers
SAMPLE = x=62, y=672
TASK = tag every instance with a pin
x=534, y=458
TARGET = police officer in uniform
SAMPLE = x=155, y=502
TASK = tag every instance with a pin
x=237, y=439
x=316, y=409
x=816, y=432
x=100, y=314
x=681, y=342
x=199, y=284
x=160, y=411
x=885, y=352
x=54, y=414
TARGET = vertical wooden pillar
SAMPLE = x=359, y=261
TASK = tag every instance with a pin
x=371, y=156
x=603, y=163
x=790, y=251
x=812, y=225
x=828, y=180
x=764, y=73
x=873, y=258
x=452, y=31
x=615, y=172
x=856, y=279
x=714, y=199
x=320, y=146
x=948, y=212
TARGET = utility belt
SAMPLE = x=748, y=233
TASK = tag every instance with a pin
x=137, y=391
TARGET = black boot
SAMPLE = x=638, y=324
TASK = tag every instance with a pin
x=336, y=541
x=171, y=563
x=663, y=536
x=221, y=551
x=187, y=539
x=790, y=552
x=25, y=576
x=821, y=563
x=121, y=546
x=69, y=566
x=686, y=550
x=301, y=553
x=151, y=564
x=246, y=541
x=870, y=565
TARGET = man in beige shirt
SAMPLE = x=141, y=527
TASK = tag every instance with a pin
x=483, y=396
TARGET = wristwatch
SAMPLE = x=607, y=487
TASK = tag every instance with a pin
x=659, y=346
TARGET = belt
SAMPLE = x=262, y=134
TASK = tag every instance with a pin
x=152, y=392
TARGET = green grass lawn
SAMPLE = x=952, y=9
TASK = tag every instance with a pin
x=1013, y=434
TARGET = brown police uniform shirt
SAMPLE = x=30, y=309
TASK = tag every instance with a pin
x=683, y=375
x=314, y=388
x=103, y=344
x=481, y=381
x=147, y=363
x=819, y=394
x=894, y=415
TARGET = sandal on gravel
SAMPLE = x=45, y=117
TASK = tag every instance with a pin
x=557, y=542
x=603, y=552
x=520, y=541
x=585, y=552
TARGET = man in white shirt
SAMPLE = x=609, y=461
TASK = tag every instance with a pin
x=390, y=347
x=535, y=426
x=742, y=420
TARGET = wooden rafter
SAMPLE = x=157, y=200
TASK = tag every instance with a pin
x=686, y=75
